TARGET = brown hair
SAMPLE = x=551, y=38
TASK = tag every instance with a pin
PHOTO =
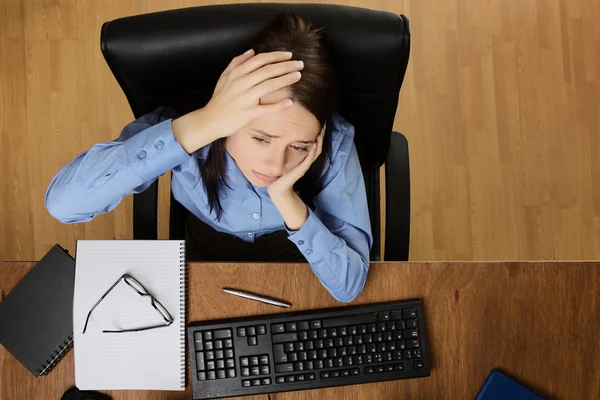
x=316, y=91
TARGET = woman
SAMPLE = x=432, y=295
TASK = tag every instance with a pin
x=266, y=168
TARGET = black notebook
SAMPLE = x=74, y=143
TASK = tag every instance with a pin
x=36, y=318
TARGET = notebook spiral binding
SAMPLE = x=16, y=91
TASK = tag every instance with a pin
x=183, y=308
x=58, y=354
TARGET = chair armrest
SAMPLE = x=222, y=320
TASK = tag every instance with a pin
x=397, y=206
x=145, y=215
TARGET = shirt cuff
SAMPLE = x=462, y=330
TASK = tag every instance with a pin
x=313, y=239
x=155, y=151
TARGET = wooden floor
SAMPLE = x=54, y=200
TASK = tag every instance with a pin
x=501, y=107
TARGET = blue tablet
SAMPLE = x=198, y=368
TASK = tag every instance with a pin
x=500, y=387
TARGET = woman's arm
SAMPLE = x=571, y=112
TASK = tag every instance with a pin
x=336, y=238
x=96, y=181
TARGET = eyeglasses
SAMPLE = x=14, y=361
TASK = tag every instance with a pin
x=141, y=290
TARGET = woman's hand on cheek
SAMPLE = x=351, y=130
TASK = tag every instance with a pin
x=284, y=185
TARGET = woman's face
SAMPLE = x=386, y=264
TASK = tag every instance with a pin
x=273, y=145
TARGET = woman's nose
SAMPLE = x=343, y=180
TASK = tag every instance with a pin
x=275, y=164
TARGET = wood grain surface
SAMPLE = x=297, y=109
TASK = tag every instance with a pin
x=537, y=322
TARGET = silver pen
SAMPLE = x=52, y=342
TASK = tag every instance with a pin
x=256, y=297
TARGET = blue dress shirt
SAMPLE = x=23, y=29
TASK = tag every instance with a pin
x=335, y=239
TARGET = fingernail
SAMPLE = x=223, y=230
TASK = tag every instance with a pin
x=298, y=64
x=248, y=52
x=296, y=75
x=287, y=53
x=287, y=104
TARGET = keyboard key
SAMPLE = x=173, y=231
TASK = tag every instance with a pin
x=303, y=335
x=381, y=347
x=251, y=331
x=277, y=328
x=291, y=327
x=222, y=334
x=361, y=349
x=335, y=374
x=387, y=356
x=246, y=383
x=290, y=378
x=319, y=344
x=342, y=351
x=221, y=374
x=322, y=333
x=201, y=376
x=208, y=345
x=369, y=370
x=220, y=364
x=264, y=360
x=318, y=364
x=368, y=338
x=407, y=354
x=264, y=370
x=208, y=335
x=308, y=365
x=245, y=371
x=293, y=357
x=255, y=382
x=338, y=362
x=228, y=343
x=230, y=363
x=200, y=361
x=313, y=335
x=228, y=353
x=352, y=330
x=401, y=344
x=348, y=361
x=252, y=341
x=362, y=329
x=231, y=373
x=310, y=377
x=397, y=355
x=379, y=369
x=289, y=347
x=198, y=341
x=254, y=360
x=391, y=345
x=371, y=348
x=299, y=346
x=332, y=332
x=254, y=371
x=210, y=355
x=329, y=343
x=338, y=342
x=219, y=354
x=378, y=337
x=285, y=337
x=261, y=330
x=358, y=360
x=286, y=367
x=383, y=315
x=391, y=326
x=399, y=367
x=409, y=313
x=241, y=332
x=345, y=372
x=359, y=339
x=211, y=375
x=389, y=367
x=396, y=314
x=387, y=336
x=218, y=344
x=299, y=378
x=303, y=325
x=418, y=364
x=371, y=328
x=329, y=363
x=410, y=334
x=302, y=356
x=280, y=379
x=279, y=354
x=312, y=355
x=322, y=353
x=348, y=341
x=350, y=320
x=331, y=353
x=411, y=344
x=377, y=357
x=309, y=345
x=244, y=361
x=315, y=324
x=417, y=353
x=397, y=335
x=266, y=381
x=411, y=324
x=381, y=327
x=368, y=358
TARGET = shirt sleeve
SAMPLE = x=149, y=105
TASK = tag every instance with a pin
x=96, y=181
x=336, y=238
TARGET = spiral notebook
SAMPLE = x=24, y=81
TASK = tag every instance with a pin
x=148, y=360
x=36, y=316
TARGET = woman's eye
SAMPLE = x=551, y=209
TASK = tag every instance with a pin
x=304, y=149
x=259, y=140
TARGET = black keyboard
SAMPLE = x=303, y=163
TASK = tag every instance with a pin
x=308, y=350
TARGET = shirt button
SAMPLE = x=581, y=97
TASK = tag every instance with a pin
x=249, y=234
x=255, y=215
x=301, y=242
x=142, y=154
x=159, y=145
x=309, y=251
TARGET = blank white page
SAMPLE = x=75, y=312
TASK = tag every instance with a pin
x=152, y=359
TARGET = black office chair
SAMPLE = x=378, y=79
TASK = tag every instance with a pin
x=174, y=58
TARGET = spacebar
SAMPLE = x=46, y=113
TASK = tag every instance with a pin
x=350, y=320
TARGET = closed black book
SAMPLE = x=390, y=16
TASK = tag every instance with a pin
x=36, y=318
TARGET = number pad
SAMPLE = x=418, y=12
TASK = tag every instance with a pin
x=215, y=358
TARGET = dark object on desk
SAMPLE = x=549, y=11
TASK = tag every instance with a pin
x=308, y=350
x=75, y=394
x=498, y=386
x=370, y=49
x=36, y=318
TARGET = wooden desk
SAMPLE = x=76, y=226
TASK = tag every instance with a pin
x=538, y=322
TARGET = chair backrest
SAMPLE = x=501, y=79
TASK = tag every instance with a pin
x=174, y=58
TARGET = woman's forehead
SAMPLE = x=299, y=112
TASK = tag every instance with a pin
x=292, y=124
